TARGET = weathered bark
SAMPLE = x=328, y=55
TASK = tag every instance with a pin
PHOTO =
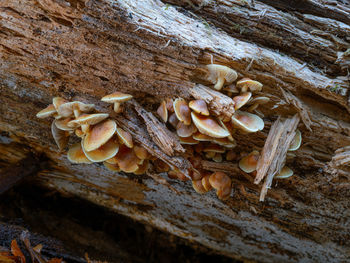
x=151, y=49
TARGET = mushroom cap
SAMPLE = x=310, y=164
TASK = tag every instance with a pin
x=76, y=155
x=99, y=135
x=202, y=137
x=125, y=137
x=206, y=184
x=163, y=111
x=199, y=106
x=170, y=104
x=141, y=152
x=116, y=97
x=259, y=100
x=111, y=160
x=161, y=166
x=58, y=101
x=104, y=152
x=209, y=126
x=47, y=112
x=296, y=142
x=247, y=83
x=217, y=158
x=285, y=173
x=188, y=140
x=112, y=167
x=67, y=109
x=63, y=124
x=219, y=180
x=127, y=159
x=241, y=99
x=142, y=168
x=248, y=163
x=224, y=193
x=184, y=130
x=231, y=88
x=197, y=185
x=88, y=119
x=214, y=148
x=248, y=122
x=78, y=132
x=219, y=71
x=173, y=120
x=182, y=111
x=225, y=142
x=60, y=137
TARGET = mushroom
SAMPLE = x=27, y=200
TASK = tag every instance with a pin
x=247, y=122
x=214, y=148
x=184, y=130
x=248, y=163
x=60, y=137
x=99, y=134
x=220, y=75
x=217, y=158
x=241, y=99
x=206, y=184
x=257, y=101
x=63, y=124
x=285, y=173
x=125, y=137
x=188, y=140
x=78, y=132
x=173, y=120
x=202, y=137
x=209, y=126
x=246, y=84
x=222, y=183
x=76, y=155
x=163, y=111
x=228, y=127
x=231, y=155
x=47, y=112
x=104, y=152
x=117, y=98
x=225, y=142
x=112, y=167
x=182, y=111
x=198, y=186
x=58, y=101
x=74, y=108
x=85, y=120
x=127, y=159
x=161, y=166
x=141, y=152
x=296, y=142
x=199, y=106
x=176, y=174
x=142, y=168
x=224, y=193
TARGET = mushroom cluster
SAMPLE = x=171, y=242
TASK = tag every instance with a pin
x=218, y=180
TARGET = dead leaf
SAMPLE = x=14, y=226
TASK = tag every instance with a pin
x=16, y=251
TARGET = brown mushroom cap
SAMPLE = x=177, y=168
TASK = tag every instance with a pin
x=285, y=173
x=76, y=155
x=202, y=137
x=88, y=119
x=67, y=109
x=219, y=180
x=47, y=112
x=296, y=142
x=209, y=126
x=163, y=111
x=206, y=184
x=99, y=135
x=125, y=137
x=225, y=142
x=127, y=159
x=104, y=152
x=247, y=122
x=188, y=140
x=246, y=84
x=224, y=193
x=142, y=168
x=197, y=185
x=199, y=106
x=182, y=111
x=60, y=137
x=173, y=120
x=217, y=158
x=111, y=160
x=63, y=124
x=112, y=167
x=184, y=130
x=141, y=152
x=241, y=99
x=220, y=75
x=58, y=101
x=214, y=148
x=78, y=132
x=248, y=163
x=116, y=97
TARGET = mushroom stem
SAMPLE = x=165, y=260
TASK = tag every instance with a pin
x=117, y=107
x=77, y=112
x=219, y=83
x=85, y=128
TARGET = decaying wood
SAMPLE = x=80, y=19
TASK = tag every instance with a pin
x=341, y=157
x=273, y=155
x=218, y=103
x=226, y=167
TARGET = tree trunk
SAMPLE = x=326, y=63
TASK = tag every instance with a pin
x=299, y=50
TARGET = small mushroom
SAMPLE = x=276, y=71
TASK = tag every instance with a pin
x=296, y=142
x=142, y=168
x=47, y=112
x=248, y=163
x=206, y=184
x=173, y=120
x=220, y=75
x=224, y=193
x=219, y=180
x=76, y=155
x=127, y=159
x=208, y=126
x=141, y=152
x=246, y=84
x=202, y=137
x=182, y=111
x=63, y=124
x=176, y=174
x=85, y=120
x=217, y=158
x=199, y=106
x=184, y=130
x=163, y=111
x=285, y=173
x=188, y=140
x=112, y=167
x=247, y=122
x=78, y=132
x=225, y=142
x=228, y=127
x=99, y=135
x=74, y=108
x=241, y=99
x=58, y=101
x=125, y=137
x=61, y=138
x=104, y=152
x=256, y=102
x=116, y=98
x=198, y=186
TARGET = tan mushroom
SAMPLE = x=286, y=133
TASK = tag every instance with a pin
x=225, y=142
x=125, y=137
x=214, y=148
x=169, y=104
x=182, y=111
x=222, y=183
x=104, y=152
x=99, y=135
x=248, y=163
x=206, y=184
x=62, y=124
x=61, y=137
x=246, y=84
x=142, y=168
x=76, y=155
x=85, y=120
x=296, y=142
x=78, y=132
x=202, y=137
x=224, y=193
x=141, y=152
x=241, y=99
x=163, y=111
x=209, y=126
x=217, y=158
x=112, y=167
x=229, y=128
x=116, y=98
x=220, y=75
x=58, y=101
x=173, y=120
x=199, y=106
x=198, y=187
x=188, y=140
x=256, y=102
x=184, y=130
x=285, y=173
x=127, y=159
x=74, y=108
x=247, y=122
x=47, y=112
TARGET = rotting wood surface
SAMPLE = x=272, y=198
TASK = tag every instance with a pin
x=152, y=49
